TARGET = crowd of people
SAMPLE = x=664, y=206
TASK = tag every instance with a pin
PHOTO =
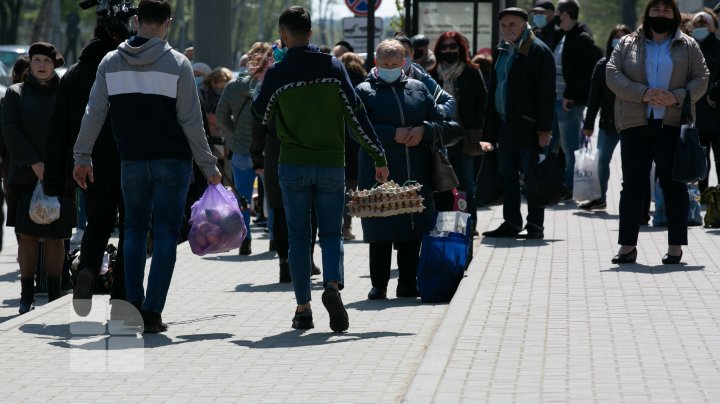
x=142, y=130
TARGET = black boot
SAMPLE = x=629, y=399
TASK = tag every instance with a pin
x=53, y=288
x=27, y=294
x=245, y=248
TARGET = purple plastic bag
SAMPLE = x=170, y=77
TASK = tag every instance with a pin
x=217, y=222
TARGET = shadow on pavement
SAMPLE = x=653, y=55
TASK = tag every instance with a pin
x=298, y=338
x=714, y=231
x=11, y=302
x=62, y=337
x=264, y=256
x=515, y=242
x=391, y=303
x=13, y=276
x=274, y=287
x=3, y=319
x=655, y=269
x=596, y=214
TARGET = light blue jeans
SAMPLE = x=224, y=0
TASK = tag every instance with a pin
x=566, y=132
x=244, y=179
x=153, y=190
x=324, y=187
x=607, y=140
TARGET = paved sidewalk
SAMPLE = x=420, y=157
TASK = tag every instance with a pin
x=534, y=321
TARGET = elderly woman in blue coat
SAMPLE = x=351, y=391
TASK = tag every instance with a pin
x=403, y=113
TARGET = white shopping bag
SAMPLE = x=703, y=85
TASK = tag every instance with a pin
x=44, y=209
x=586, y=183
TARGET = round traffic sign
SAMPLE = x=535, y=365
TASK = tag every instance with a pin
x=360, y=7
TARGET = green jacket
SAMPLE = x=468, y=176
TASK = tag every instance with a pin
x=234, y=115
x=311, y=99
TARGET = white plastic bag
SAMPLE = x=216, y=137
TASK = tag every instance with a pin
x=43, y=209
x=586, y=183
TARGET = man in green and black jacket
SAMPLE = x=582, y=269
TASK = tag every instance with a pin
x=309, y=96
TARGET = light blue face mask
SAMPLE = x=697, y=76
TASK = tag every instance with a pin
x=540, y=20
x=199, y=80
x=278, y=53
x=389, y=75
x=614, y=43
x=700, y=33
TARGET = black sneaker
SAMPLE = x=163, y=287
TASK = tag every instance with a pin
x=597, y=204
x=245, y=248
x=377, y=293
x=83, y=292
x=303, y=320
x=505, y=230
x=153, y=322
x=26, y=305
x=406, y=291
x=533, y=232
x=332, y=301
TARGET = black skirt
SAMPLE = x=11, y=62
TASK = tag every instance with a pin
x=18, y=214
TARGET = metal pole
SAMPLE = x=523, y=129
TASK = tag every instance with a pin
x=261, y=21
x=182, y=31
x=408, y=18
x=370, y=59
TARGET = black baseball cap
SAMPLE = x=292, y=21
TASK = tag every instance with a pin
x=514, y=11
x=543, y=6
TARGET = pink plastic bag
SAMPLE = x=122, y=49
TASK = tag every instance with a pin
x=217, y=222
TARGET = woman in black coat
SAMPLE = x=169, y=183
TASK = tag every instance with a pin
x=25, y=117
x=463, y=80
x=403, y=113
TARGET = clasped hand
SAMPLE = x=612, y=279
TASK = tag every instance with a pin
x=411, y=136
x=659, y=98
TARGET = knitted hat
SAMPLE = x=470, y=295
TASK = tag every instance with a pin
x=201, y=67
x=46, y=49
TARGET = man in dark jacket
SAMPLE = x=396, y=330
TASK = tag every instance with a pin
x=544, y=23
x=575, y=58
x=520, y=116
x=104, y=196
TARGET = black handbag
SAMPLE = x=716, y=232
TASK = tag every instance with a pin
x=442, y=174
x=544, y=183
x=689, y=162
x=489, y=190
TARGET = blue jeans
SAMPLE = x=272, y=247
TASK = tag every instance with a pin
x=607, y=140
x=324, y=187
x=464, y=166
x=566, y=131
x=153, y=190
x=244, y=179
x=512, y=160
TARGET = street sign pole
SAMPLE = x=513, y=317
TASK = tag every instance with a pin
x=370, y=59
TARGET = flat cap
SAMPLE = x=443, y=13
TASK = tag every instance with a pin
x=514, y=11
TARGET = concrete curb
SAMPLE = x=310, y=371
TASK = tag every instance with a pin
x=427, y=378
x=33, y=314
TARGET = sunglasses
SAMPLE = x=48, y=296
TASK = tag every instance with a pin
x=451, y=46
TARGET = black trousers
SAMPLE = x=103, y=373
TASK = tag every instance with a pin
x=408, y=255
x=711, y=140
x=103, y=203
x=641, y=146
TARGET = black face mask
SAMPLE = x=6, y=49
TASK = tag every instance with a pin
x=418, y=54
x=449, y=57
x=661, y=25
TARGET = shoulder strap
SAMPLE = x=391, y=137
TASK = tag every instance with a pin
x=686, y=117
x=236, y=119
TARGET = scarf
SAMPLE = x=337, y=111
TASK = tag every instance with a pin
x=449, y=73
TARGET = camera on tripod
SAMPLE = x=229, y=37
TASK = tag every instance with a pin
x=123, y=9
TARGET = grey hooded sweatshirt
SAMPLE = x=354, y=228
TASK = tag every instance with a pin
x=150, y=92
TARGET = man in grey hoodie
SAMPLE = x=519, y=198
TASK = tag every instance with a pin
x=157, y=125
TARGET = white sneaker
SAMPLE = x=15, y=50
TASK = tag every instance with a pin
x=77, y=237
